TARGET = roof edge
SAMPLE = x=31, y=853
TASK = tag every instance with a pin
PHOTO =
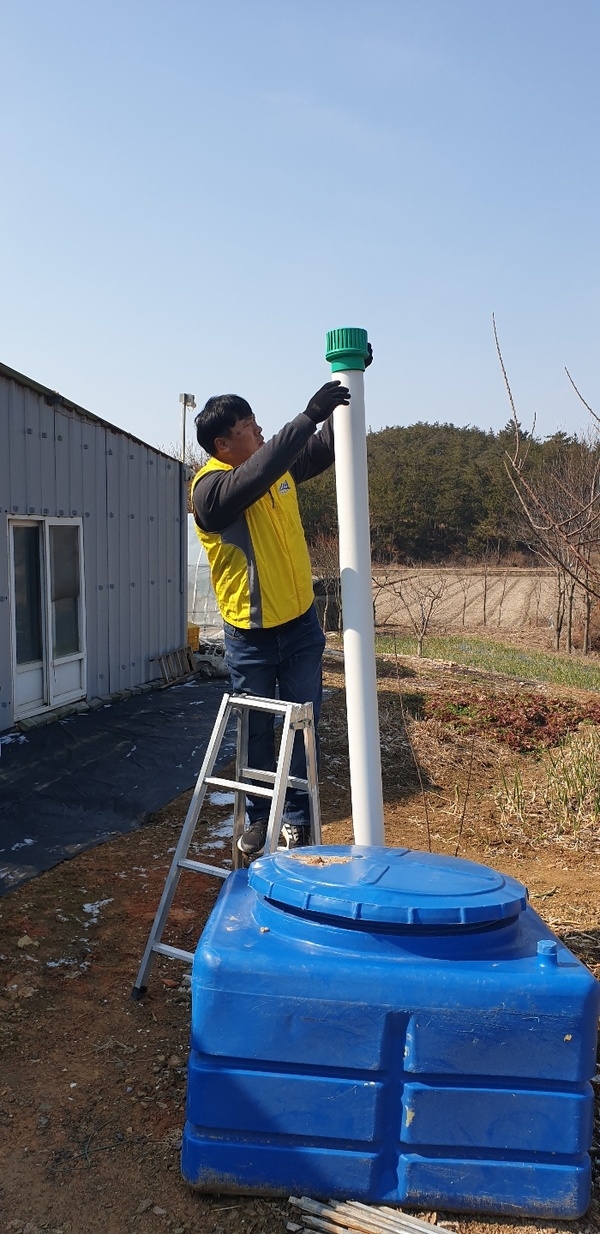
x=54, y=398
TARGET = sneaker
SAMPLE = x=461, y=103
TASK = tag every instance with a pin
x=293, y=836
x=252, y=840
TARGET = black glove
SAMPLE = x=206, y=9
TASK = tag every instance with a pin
x=331, y=395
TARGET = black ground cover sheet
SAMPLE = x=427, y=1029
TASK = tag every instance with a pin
x=78, y=781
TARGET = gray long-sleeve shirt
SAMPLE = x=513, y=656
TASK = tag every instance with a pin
x=221, y=496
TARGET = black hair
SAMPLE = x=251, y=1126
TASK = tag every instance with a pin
x=218, y=416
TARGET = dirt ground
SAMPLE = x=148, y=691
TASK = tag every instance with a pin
x=92, y=1085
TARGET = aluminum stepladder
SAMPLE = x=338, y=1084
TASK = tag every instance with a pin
x=297, y=717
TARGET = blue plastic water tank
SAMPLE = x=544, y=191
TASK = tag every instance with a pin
x=389, y=1026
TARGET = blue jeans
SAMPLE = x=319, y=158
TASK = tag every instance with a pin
x=286, y=661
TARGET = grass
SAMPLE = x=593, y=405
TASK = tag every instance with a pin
x=500, y=658
x=564, y=804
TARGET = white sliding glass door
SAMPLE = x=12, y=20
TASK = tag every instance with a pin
x=48, y=614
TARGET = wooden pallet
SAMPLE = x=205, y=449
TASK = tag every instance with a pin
x=176, y=665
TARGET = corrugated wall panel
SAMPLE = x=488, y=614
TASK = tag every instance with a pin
x=153, y=643
x=62, y=466
x=5, y=497
x=74, y=498
x=180, y=614
x=134, y=528
x=33, y=419
x=17, y=497
x=175, y=563
x=142, y=524
x=118, y=558
x=47, y=497
x=95, y=557
x=15, y=503
x=162, y=563
x=6, y=701
x=112, y=560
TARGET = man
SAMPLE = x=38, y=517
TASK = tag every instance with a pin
x=247, y=517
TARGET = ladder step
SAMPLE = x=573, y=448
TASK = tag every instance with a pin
x=233, y=784
x=174, y=953
x=298, y=712
x=200, y=867
x=269, y=778
x=253, y=773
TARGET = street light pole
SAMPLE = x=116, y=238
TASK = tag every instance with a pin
x=186, y=400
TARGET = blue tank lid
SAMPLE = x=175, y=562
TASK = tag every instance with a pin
x=386, y=886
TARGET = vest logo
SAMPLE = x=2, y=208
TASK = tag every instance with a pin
x=284, y=487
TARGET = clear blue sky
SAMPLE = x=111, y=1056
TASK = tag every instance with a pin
x=195, y=191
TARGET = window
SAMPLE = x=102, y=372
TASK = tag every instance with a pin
x=64, y=590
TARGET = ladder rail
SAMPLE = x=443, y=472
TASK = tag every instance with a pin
x=312, y=782
x=280, y=783
x=239, y=798
x=182, y=847
x=297, y=720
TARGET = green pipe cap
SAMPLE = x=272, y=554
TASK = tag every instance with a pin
x=347, y=348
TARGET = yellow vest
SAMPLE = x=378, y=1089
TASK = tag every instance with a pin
x=259, y=564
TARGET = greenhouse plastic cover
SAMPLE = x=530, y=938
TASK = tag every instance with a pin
x=202, y=602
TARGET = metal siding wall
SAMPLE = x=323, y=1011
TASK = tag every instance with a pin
x=142, y=557
x=47, y=494
x=153, y=642
x=34, y=420
x=6, y=703
x=6, y=695
x=136, y=596
x=129, y=498
x=180, y=597
x=74, y=495
x=146, y=607
x=95, y=555
x=173, y=558
x=124, y=570
x=17, y=490
x=117, y=567
x=62, y=467
x=112, y=560
x=162, y=556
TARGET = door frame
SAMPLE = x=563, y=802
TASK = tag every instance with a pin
x=53, y=698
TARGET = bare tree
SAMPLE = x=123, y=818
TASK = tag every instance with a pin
x=325, y=562
x=465, y=582
x=561, y=512
x=386, y=584
x=419, y=596
x=195, y=458
x=502, y=596
x=559, y=612
x=537, y=593
x=486, y=558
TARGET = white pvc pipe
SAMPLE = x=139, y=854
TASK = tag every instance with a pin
x=357, y=609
